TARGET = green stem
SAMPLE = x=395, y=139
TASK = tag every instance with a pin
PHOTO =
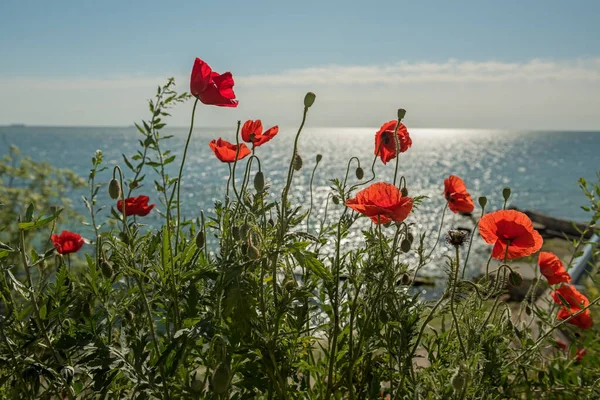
x=312, y=177
x=452, y=305
x=439, y=232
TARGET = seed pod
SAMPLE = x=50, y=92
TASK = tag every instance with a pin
x=220, y=379
x=506, y=193
x=483, y=201
x=319, y=158
x=405, y=245
x=335, y=199
x=309, y=99
x=404, y=191
x=107, y=269
x=253, y=252
x=515, y=278
x=259, y=181
x=297, y=164
x=200, y=239
x=360, y=173
x=401, y=114
x=114, y=189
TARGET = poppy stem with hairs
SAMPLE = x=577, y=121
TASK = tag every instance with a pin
x=187, y=144
x=237, y=154
x=310, y=187
x=452, y=299
x=397, y=144
x=471, y=243
x=291, y=167
x=439, y=231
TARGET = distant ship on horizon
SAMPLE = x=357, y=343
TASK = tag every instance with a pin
x=16, y=125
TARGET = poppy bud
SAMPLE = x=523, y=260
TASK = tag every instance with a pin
x=271, y=222
x=220, y=379
x=459, y=380
x=515, y=278
x=235, y=232
x=483, y=201
x=200, y=239
x=67, y=373
x=107, y=269
x=319, y=158
x=114, y=189
x=404, y=191
x=259, y=181
x=335, y=199
x=244, y=230
x=405, y=279
x=309, y=99
x=401, y=114
x=506, y=193
x=197, y=380
x=129, y=316
x=289, y=285
x=405, y=245
x=244, y=248
x=86, y=309
x=410, y=237
x=528, y=310
x=297, y=163
x=360, y=173
x=253, y=252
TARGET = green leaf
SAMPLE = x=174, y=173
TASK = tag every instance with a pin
x=43, y=311
x=29, y=213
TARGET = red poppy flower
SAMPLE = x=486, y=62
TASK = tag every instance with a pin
x=136, y=206
x=455, y=192
x=576, y=302
x=67, y=242
x=252, y=132
x=552, y=268
x=512, y=229
x=579, y=355
x=382, y=202
x=226, y=151
x=210, y=87
x=385, y=145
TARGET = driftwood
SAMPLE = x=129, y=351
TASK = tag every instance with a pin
x=555, y=227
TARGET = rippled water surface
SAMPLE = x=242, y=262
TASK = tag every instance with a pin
x=542, y=168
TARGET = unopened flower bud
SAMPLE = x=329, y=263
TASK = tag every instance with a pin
x=259, y=181
x=335, y=199
x=309, y=99
x=86, y=309
x=410, y=237
x=107, y=269
x=114, y=189
x=235, y=232
x=319, y=158
x=220, y=379
x=405, y=279
x=483, y=201
x=200, y=239
x=253, y=252
x=271, y=222
x=297, y=163
x=506, y=193
x=197, y=380
x=404, y=191
x=290, y=285
x=360, y=173
x=405, y=245
x=401, y=114
x=515, y=278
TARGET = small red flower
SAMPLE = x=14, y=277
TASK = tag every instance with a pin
x=226, y=151
x=136, y=206
x=67, y=242
x=552, y=268
x=210, y=87
x=512, y=229
x=385, y=145
x=561, y=345
x=576, y=302
x=252, y=132
x=455, y=192
x=579, y=355
x=382, y=202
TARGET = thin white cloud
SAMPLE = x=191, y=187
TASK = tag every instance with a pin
x=537, y=94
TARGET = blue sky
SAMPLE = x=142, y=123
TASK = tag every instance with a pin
x=50, y=43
